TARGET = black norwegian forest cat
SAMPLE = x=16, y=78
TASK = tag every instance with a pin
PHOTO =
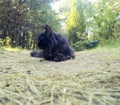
x=54, y=47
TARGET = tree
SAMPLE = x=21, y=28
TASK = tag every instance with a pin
x=106, y=16
x=76, y=24
x=22, y=21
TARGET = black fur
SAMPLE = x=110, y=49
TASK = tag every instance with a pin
x=38, y=54
x=55, y=46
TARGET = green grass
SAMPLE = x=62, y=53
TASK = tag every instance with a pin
x=93, y=78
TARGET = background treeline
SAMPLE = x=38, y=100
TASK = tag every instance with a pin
x=22, y=20
x=84, y=22
x=89, y=23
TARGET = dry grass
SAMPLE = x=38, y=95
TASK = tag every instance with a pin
x=93, y=78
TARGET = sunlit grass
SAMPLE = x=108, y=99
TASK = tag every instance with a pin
x=9, y=49
x=12, y=49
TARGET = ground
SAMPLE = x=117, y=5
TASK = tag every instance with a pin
x=92, y=78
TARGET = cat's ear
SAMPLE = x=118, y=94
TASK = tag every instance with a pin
x=48, y=28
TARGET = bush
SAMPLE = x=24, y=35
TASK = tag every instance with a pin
x=5, y=42
x=79, y=46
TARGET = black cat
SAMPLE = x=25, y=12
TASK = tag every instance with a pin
x=55, y=47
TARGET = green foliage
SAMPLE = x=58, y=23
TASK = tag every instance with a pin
x=76, y=22
x=79, y=46
x=106, y=15
x=23, y=20
x=5, y=42
x=93, y=21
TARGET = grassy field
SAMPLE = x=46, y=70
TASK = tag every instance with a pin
x=92, y=78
